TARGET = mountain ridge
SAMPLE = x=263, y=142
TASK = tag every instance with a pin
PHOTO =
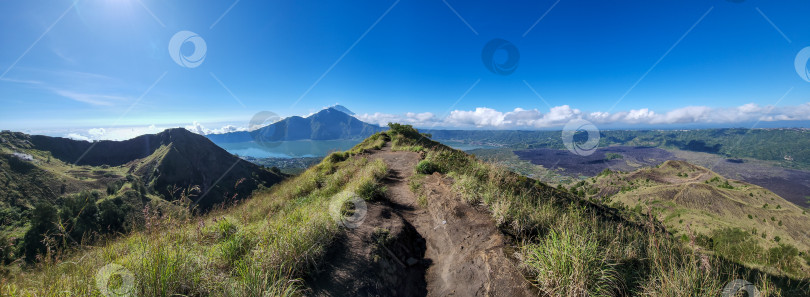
x=331, y=123
x=172, y=158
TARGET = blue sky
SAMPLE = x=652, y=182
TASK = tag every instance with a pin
x=79, y=67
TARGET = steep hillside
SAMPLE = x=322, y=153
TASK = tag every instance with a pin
x=400, y=213
x=691, y=199
x=107, y=184
x=328, y=124
x=172, y=158
x=185, y=159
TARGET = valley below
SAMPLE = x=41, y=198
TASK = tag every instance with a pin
x=791, y=184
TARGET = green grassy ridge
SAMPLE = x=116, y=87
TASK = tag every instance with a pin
x=174, y=157
x=164, y=164
x=618, y=252
x=738, y=221
x=261, y=246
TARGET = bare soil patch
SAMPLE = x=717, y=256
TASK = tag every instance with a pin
x=448, y=248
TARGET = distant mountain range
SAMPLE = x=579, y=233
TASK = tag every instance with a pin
x=332, y=123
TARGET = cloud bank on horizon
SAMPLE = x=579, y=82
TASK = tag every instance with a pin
x=488, y=118
x=484, y=118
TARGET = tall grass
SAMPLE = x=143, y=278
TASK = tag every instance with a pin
x=569, y=264
x=574, y=247
x=261, y=247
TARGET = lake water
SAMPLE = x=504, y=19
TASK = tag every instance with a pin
x=464, y=146
x=288, y=149
x=305, y=148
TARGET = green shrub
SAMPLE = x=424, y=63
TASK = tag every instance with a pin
x=726, y=185
x=337, y=157
x=405, y=130
x=42, y=225
x=371, y=190
x=784, y=256
x=735, y=244
x=427, y=167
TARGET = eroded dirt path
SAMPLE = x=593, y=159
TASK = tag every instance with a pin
x=456, y=248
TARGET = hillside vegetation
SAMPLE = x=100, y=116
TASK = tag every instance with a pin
x=254, y=248
x=737, y=220
x=57, y=192
x=565, y=245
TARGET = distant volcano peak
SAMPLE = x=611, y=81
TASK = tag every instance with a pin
x=342, y=109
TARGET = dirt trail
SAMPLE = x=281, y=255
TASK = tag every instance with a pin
x=454, y=248
x=463, y=244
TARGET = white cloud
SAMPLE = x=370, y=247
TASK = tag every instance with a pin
x=198, y=128
x=518, y=118
x=76, y=136
x=424, y=119
x=116, y=133
x=488, y=118
x=227, y=129
x=480, y=117
x=97, y=132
